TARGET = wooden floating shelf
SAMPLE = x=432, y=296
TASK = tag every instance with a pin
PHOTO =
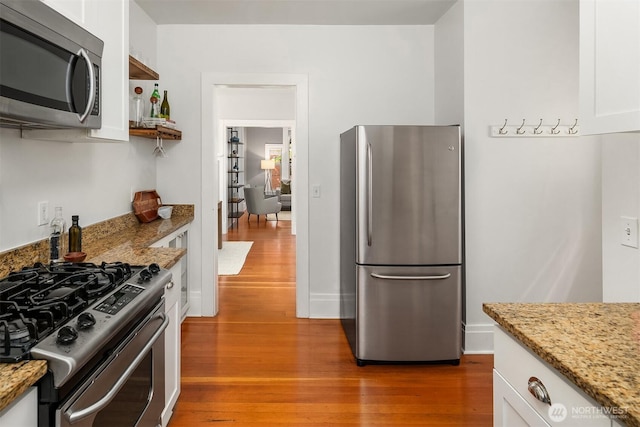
x=139, y=71
x=159, y=131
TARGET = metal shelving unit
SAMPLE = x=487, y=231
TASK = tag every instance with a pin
x=236, y=178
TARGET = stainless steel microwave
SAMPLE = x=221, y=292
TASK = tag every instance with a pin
x=50, y=69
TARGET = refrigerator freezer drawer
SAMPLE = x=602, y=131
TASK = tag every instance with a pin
x=408, y=314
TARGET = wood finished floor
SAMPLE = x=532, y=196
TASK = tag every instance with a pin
x=256, y=364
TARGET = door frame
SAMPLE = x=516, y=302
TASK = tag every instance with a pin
x=210, y=122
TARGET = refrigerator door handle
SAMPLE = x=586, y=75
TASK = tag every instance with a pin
x=386, y=277
x=369, y=194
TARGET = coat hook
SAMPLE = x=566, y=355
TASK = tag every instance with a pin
x=520, y=130
x=572, y=130
x=502, y=130
x=554, y=130
x=536, y=130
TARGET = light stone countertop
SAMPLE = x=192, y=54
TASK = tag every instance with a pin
x=120, y=239
x=596, y=346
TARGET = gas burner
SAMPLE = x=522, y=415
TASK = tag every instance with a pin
x=39, y=299
x=15, y=329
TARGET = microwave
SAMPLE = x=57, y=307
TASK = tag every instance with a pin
x=50, y=69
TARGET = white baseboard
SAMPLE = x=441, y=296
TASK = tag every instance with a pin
x=478, y=339
x=195, y=304
x=324, y=306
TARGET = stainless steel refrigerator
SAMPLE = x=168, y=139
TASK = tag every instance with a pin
x=401, y=243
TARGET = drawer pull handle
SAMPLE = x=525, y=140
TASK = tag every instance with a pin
x=170, y=284
x=539, y=391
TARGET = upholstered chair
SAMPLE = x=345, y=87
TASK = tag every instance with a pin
x=258, y=205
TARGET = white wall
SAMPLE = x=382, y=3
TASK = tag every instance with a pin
x=357, y=75
x=620, y=197
x=92, y=180
x=533, y=206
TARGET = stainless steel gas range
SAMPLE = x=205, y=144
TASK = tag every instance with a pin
x=101, y=330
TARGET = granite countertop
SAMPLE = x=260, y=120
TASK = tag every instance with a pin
x=16, y=378
x=129, y=243
x=132, y=245
x=596, y=346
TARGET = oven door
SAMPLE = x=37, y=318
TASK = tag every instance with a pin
x=128, y=388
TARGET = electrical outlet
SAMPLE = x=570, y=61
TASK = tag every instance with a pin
x=629, y=231
x=43, y=213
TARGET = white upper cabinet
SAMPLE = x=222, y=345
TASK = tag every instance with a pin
x=111, y=23
x=108, y=20
x=609, y=66
x=73, y=9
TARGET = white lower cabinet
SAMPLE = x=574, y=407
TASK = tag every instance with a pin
x=180, y=239
x=174, y=301
x=172, y=344
x=516, y=370
x=509, y=408
x=22, y=412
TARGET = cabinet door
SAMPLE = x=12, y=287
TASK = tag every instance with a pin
x=22, y=412
x=112, y=27
x=510, y=409
x=609, y=66
x=172, y=344
x=75, y=10
x=182, y=241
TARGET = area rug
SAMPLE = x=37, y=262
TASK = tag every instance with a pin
x=231, y=257
x=282, y=216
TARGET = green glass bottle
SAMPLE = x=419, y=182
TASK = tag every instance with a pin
x=165, y=109
x=155, y=102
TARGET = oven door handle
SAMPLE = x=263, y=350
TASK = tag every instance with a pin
x=107, y=398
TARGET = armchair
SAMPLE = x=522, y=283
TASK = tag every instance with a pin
x=258, y=205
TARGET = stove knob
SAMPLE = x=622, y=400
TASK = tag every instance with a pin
x=145, y=276
x=154, y=268
x=86, y=320
x=67, y=335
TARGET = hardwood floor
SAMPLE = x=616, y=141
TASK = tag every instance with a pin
x=256, y=364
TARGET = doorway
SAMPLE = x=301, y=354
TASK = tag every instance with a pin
x=212, y=84
x=252, y=152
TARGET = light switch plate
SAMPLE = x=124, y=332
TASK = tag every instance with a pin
x=629, y=231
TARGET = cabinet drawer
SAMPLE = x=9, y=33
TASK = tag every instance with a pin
x=517, y=365
x=510, y=409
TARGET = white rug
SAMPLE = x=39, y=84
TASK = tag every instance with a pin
x=282, y=216
x=231, y=257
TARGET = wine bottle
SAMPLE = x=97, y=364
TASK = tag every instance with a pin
x=155, y=102
x=75, y=235
x=165, y=109
x=56, y=238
